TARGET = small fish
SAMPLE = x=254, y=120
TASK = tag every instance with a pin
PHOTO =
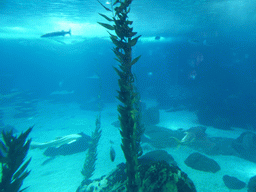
x=48, y=160
x=57, y=33
x=157, y=37
x=191, y=135
x=112, y=154
x=188, y=138
x=193, y=41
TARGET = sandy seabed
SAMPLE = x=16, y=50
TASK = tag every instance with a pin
x=63, y=173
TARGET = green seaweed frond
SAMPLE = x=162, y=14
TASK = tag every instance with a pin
x=131, y=130
x=13, y=165
x=91, y=156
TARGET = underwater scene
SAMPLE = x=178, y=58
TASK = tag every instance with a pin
x=128, y=95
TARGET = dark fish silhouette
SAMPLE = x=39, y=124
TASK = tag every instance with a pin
x=57, y=33
x=112, y=154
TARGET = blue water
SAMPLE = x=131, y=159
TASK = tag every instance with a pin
x=198, y=55
x=203, y=50
x=206, y=47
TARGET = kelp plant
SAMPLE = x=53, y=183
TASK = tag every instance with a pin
x=13, y=153
x=91, y=156
x=124, y=40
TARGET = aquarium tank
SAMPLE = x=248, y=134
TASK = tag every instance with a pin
x=127, y=95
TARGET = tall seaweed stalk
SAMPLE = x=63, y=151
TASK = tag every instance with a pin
x=124, y=40
x=14, y=151
x=91, y=156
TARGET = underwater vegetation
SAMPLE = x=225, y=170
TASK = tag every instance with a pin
x=135, y=175
x=91, y=156
x=124, y=40
x=13, y=164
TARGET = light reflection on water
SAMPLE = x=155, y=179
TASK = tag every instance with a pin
x=151, y=17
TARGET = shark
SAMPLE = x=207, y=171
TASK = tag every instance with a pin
x=68, y=139
x=57, y=33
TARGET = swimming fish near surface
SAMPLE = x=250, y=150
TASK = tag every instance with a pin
x=57, y=33
x=68, y=139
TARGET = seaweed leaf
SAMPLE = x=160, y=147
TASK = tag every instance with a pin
x=133, y=41
x=104, y=6
x=120, y=73
x=106, y=17
x=131, y=34
x=135, y=60
x=110, y=27
x=113, y=36
x=13, y=172
x=117, y=1
x=21, y=170
x=118, y=43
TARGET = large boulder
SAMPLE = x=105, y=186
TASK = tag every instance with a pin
x=201, y=162
x=153, y=176
x=252, y=184
x=245, y=146
x=233, y=182
x=157, y=155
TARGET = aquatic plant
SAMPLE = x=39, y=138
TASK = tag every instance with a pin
x=14, y=151
x=124, y=40
x=91, y=156
x=135, y=175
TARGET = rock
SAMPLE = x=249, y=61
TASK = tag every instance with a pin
x=201, y=162
x=157, y=155
x=233, y=182
x=160, y=137
x=252, y=184
x=156, y=176
x=208, y=117
x=245, y=145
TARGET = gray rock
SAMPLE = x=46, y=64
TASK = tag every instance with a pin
x=245, y=146
x=252, y=184
x=233, y=182
x=201, y=162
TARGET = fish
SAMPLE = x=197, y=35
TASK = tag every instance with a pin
x=194, y=41
x=112, y=154
x=191, y=135
x=68, y=139
x=57, y=33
